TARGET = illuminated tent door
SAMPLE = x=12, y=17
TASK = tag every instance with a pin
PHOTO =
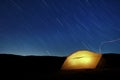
x=81, y=60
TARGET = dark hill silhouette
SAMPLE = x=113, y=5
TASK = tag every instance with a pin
x=48, y=68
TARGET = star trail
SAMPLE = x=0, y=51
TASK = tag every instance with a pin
x=59, y=27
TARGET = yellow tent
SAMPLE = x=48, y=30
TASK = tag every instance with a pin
x=82, y=59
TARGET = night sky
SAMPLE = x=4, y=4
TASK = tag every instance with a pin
x=59, y=27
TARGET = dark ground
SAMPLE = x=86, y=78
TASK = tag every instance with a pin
x=48, y=68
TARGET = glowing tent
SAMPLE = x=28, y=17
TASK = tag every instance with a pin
x=81, y=60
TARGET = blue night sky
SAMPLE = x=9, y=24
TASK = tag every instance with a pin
x=59, y=27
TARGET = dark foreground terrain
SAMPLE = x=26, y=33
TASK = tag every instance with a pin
x=48, y=68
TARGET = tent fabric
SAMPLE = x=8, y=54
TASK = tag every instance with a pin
x=82, y=59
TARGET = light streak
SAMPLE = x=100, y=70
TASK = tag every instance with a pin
x=111, y=41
